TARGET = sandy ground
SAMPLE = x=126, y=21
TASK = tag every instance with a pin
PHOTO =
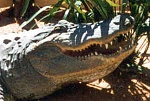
x=110, y=88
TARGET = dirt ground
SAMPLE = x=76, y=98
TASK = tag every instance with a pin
x=111, y=88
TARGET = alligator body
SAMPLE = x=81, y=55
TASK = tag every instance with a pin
x=35, y=63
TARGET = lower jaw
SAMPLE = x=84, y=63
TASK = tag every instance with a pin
x=40, y=86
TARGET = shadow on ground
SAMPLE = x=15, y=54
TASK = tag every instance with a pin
x=110, y=88
x=124, y=84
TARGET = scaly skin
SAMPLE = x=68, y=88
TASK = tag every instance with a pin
x=38, y=62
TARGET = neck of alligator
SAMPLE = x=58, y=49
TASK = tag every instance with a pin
x=47, y=57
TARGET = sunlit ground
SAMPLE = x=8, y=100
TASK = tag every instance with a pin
x=138, y=88
x=142, y=45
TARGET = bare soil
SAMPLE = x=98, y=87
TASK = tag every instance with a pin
x=114, y=87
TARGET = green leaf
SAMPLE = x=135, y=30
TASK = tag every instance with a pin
x=25, y=7
x=112, y=3
x=77, y=7
x=37, y=13
x=66, y=14
x=54, y=10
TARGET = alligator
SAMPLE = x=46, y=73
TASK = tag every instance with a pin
x=37, y=62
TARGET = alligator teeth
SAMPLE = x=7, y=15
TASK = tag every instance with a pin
x=111, y=42
x=106, y=46
x=120, y=48
x=108, y=49
x=96, y=53
x=101, y=54
x=85, y=56
x=132, y=42
x=131, y=31
x=127, y=34
x=129, y=46
x=100, y=45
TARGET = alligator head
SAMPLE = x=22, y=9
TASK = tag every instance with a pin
x=85, y=52
x=65, y=52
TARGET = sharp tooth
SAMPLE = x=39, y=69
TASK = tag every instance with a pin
x=106, y=46
x=83, y=58
x=76, y=57
x=120, y=48
x=100, y=54
x=111, y=42
x=129, y=46
x=132, y=42
x=96, y=53
x=132, y=30
x=80, y=58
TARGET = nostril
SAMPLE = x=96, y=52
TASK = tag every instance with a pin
x=6, y=41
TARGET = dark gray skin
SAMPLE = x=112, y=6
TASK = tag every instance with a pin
x=61, y=56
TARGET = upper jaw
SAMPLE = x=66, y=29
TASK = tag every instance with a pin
x=82, y=40
x=118, y=41
x=73, y=35
x=66, y=58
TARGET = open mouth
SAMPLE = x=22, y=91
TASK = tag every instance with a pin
x=122, y=42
